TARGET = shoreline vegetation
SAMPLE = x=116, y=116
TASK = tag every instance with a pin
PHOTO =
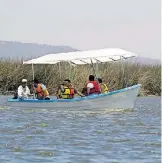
x=12, y=72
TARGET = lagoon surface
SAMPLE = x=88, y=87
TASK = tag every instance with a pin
x=111, y=136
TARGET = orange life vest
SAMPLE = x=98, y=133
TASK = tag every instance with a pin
x=72, y=92
x=39, y=90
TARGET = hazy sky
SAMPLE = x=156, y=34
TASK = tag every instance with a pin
x=133, y=25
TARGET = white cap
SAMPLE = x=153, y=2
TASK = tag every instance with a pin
x=24, y=80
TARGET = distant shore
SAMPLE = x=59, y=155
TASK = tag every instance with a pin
x=149, y=76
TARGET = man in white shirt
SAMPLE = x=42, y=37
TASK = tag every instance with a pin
x=23, y=90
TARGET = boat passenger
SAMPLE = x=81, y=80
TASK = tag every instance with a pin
x=103, y=87
x=67, y=91
x=92, y=86
x=40, y=90
x=23, y=90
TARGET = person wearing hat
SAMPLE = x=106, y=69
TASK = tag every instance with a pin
x=23, y=90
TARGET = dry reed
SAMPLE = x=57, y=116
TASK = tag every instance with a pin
x=12, y=72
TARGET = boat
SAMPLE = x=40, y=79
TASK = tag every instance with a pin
x=119, y=99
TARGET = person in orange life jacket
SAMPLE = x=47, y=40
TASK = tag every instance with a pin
x=92, y=86
x=67, y=91
x=40, y=90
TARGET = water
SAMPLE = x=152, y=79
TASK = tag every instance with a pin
x=115, y=136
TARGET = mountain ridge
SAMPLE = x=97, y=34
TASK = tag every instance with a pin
x=20, y=50
x=10, y=49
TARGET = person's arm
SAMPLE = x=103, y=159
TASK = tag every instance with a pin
x=88, y=90
x=89, y=86
x=79, y=93
x=27, y=90
x=45, y=91
x=62, y=88
x=43, y=87
x=20, y=91
x=102, y=88
x=58, y=94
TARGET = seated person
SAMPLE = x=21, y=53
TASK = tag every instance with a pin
x=40, y=90
x=15, y=91
x=66, y=90
x=103, y=87
x=58, y=95
x=23, y=90
x=84, y=90
x=92, y=87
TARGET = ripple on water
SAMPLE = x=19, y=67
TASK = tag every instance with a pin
x=47, y=135
x=155, y=144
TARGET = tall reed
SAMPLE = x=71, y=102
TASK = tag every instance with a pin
x=12, y=72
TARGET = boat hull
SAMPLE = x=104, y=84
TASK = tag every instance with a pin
x=124, y=98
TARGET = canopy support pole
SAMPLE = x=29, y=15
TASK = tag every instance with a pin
x=70, y=72
x=33, y=80
x=96, y=77
x=60, y=71
x=33, y=70
x=123, y=73
x=93, y=68
x=97, y=70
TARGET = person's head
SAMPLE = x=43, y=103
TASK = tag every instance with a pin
x=35, y=81
x=99, y=80
x=24, y=82
x=91, y=78
x=67, y=82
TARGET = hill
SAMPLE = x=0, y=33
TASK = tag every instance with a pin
x=19, y=50
x=9, y=49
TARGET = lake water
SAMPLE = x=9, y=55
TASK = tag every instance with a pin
x=115, y=136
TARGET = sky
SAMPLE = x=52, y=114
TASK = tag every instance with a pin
x=133, y=25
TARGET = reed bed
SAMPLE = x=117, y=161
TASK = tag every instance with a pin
x=12, y=72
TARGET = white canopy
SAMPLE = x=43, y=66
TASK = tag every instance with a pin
x=83, y=57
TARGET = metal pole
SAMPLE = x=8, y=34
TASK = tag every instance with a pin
x=60, y=71
x=123, y=72
x=93, y=68
x=97, y=70
x=33, y=80
x=70, y=72
x=33, y=70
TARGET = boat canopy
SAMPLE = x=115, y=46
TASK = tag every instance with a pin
x=84, y=57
